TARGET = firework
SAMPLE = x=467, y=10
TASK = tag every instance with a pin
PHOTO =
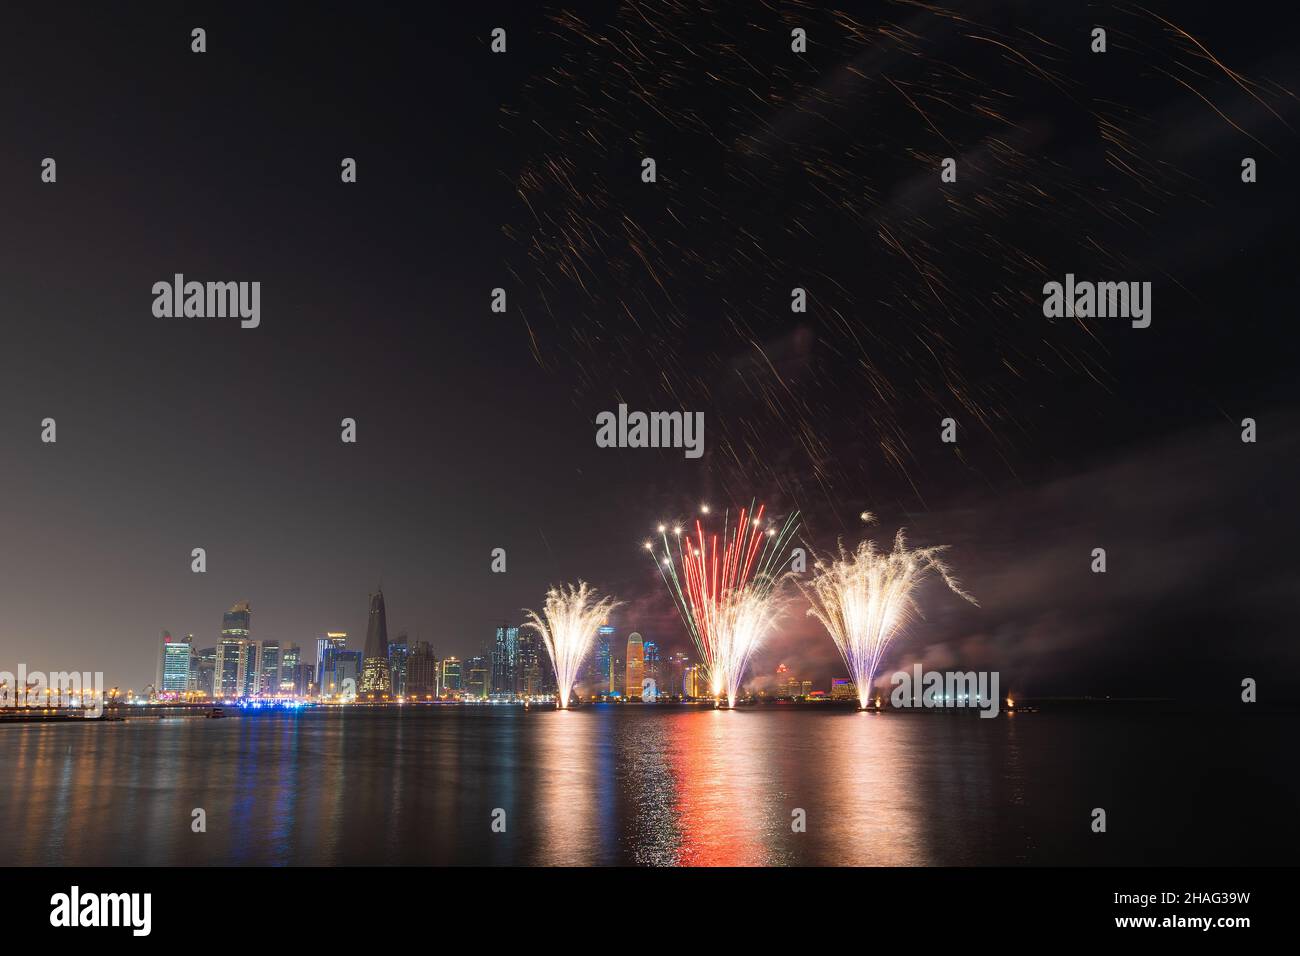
x=725, y=586
x=567, y=624
x=865, y=597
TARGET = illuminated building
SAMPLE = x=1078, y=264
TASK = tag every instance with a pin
x=651, y=666
x=205, y=666
x=347, y=672
x=478, y=677
x=421, y=671
x=843, y=689
x=374, y=661
x=529, y=661
x=505, y=651
x=228, y=668
x=451, y=676
x=174, y=665
x=269, y=668
x=325, y=648
x=696, y=681
x=600, y=678
x=229, y=676
x=398, y=654
x=635, y=665
x=252, y=680
x=290, y=671
x=787, y=685
x=338, y=666
x=675, y=673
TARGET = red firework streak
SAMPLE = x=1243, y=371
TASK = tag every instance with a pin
x=712, y=576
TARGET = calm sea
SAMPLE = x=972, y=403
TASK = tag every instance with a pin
x=651, y=785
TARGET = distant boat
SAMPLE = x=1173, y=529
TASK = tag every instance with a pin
x=215, y=712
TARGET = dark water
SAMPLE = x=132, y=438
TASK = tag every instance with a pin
x=649, y=785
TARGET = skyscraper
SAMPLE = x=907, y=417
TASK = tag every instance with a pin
x=450, y=684
x=635, y=665
x=398, y=654
x=421, y=672
x=374, y=660
x=269, y=669
x=478, y=677
x=206, y=667
x=174, y=665
x=290, y=666
x=676, y=674
x=505, y=653
x=328, y=685
x=229, y=675
x=601, y=680
x=347, y=673
x=652, y=670
x=251, y=682
x=531, y=664
x=618, y=676
x=325, y=648
x=696, y=681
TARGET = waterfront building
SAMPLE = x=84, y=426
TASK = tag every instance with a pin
x=842, y=688
x=650, y=668
x=205, y=665
x=174, y=665
x=325, y=648
x=451, y=677
x=505, y=661
x=398, y=661
x=230, y=665
x=269, y=668
x=635, y=666
x=421, y=672
x=531, y=663
x=478, y=677
x=696, y=681
x=290, y=683
x=601, y=679
x=374, y=662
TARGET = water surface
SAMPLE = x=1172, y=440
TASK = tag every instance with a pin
x=650, y=785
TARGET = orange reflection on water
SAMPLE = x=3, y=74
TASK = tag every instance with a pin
x=568, y=789
x=718, y=761
x=874, y=808
x=742, y=778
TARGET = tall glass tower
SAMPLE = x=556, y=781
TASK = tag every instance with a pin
x=375, y=677
x=269, y=666
x=174, y=666
x=635, y=665
x=229, y=674
x=326, y=648
x=602, y=674
x=505, y=661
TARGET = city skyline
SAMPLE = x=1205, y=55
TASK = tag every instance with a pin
x=577, y=435
x=476, y=430
x=520, y=665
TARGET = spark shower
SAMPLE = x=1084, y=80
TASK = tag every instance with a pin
x=726, y=585
x=865, y=597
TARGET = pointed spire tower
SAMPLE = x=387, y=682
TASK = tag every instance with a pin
x=374, y=659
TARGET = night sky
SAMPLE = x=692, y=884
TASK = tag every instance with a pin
x=775, y=170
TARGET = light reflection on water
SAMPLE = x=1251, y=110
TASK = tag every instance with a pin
x=636, y=785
